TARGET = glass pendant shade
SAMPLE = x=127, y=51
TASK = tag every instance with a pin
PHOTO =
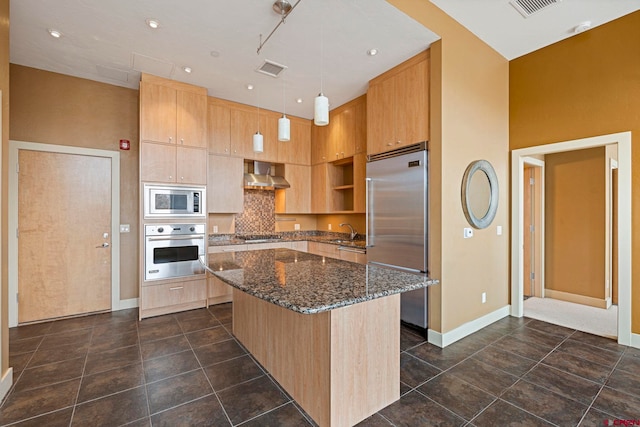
x=321, y=110
x=284, y=128
x=258, y=142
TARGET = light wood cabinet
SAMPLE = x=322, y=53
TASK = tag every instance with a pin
x=244, y=124
x=218, y=292
x=398, y=106
x=168, y=163
x=347, y=130
x=226, y=248
x=171, y=297
x=335, y=251
x=297, y=198
x=225, y=190
x=298, y=149
x=172, y=112
x=218, y=127
x=319, y=144
x=172, y=131
x=320, y=202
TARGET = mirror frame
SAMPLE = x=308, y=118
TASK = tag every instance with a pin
x=483, y=166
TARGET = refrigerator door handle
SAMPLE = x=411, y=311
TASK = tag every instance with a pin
x=369, y=210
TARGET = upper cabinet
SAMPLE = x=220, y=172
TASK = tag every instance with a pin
x=245, y=122
x=172, y=112
x=173, y=137
x=298, y=149
x=398, y=106
x=218, y=127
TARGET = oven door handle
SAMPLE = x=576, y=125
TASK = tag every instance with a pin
x=190, y=237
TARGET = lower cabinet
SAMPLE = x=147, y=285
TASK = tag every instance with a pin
x=171, y=297
x=335, y=251
x=218, y=292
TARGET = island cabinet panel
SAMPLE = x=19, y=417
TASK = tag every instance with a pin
x=398, y=106
x=218, y=292
x=225, y=191
x=341, y=366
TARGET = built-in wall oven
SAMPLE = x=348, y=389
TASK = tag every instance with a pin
x=172, y=250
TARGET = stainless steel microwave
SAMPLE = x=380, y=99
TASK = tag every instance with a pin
x=169, y=201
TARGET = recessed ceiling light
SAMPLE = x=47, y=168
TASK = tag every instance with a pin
x=581, y=27
x=372, y=52
x=153, y=23
x=54, y=33
x=215, y=53
x=187, y=70
x=299, y=100
x=250, y=86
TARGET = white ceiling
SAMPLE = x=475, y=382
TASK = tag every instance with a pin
x=323, y=42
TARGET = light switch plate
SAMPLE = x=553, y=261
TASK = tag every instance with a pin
x=499, y=230
x=215, y=228
x=468, y=232
x=296, y=226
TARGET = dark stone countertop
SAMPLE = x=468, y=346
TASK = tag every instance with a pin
x=309, y=283
x=321, y=237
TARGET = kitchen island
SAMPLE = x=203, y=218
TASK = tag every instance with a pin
x=327, y=330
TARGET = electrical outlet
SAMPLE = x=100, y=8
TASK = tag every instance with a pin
x=499, y=230
x=468, y=233
x=329, y=227
x=125, y=228
x=484, y=297
x=215, y=228
x=296, y=226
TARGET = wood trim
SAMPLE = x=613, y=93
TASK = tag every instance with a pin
x=150, y=78
x=422, y=56
x=251, y=109
x=159, y=311
x=577, y=299
x=331, y=363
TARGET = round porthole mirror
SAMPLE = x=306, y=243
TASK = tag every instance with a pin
x=480, y=194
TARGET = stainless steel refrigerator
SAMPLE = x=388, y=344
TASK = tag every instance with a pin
x=397, y=196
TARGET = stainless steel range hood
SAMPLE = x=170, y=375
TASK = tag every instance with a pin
x=259, y=177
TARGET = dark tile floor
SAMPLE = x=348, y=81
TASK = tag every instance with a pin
x=188, y=370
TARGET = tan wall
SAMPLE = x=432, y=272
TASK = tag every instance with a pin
x=584, y=86
x=575, y=222
x=357, y=221
x=469, y=121
x=4, y=87
x=56, y=109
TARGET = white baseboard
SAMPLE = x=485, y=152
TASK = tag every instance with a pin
x=575, y=298
x=126, y=304
x=635, y=340
x=443, y=340
x=6, y=382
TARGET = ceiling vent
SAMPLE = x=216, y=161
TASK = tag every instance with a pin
x=529, y=7
x=271, y=68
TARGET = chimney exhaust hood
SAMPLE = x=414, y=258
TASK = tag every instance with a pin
x=259, y=177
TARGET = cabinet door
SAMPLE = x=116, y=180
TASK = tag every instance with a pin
x=360, y=126
x=191, y=119
x=359, y=182
x=269, y=129
x=191, y=165
x=320, y=193
x=219, y=129
x=412, y=104
x=157, y=162
x=297, y=198
x=225, y=192
x=298, y=149
x=157, y=113
x=319, y=144
x=244, y=124
x=381, y=116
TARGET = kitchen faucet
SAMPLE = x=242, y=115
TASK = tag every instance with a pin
x=353, y=233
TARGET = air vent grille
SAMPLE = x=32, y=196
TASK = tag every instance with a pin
x=529, y=7
x=271, y=68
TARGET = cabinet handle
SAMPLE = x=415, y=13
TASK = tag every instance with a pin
x=342, y=153
x=398, y=142
x=182, y=178
x=177, y=288
x=170, y=177
x=181, y=140
x=170, y=138
x=389, y=144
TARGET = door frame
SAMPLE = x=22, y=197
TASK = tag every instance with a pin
x=623, y=140
x=539, y=232
x=14, y=148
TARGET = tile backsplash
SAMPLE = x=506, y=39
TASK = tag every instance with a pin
x=259, y=215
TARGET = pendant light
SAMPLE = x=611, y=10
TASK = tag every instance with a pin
x=321, y=103
x=258, y=139
x=284, y=124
